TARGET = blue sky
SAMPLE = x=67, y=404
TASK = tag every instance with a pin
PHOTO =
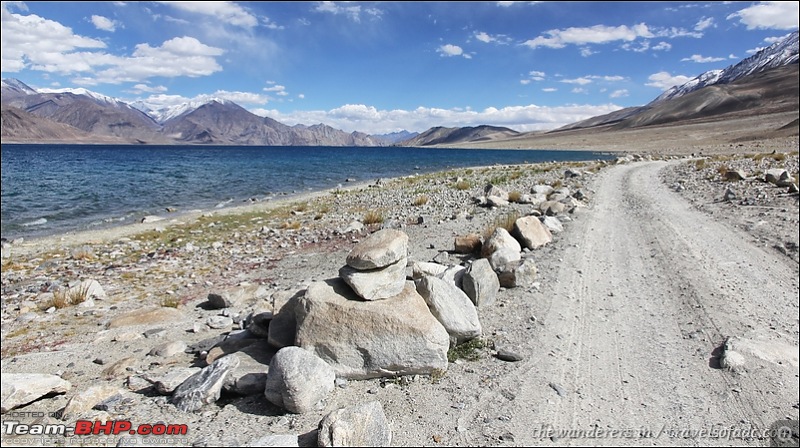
x=380, y=67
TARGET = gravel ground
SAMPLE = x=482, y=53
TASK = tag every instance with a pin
x=592, y=354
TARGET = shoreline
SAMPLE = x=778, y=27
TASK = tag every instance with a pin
x=71, y=238
x=39, y=223
x=114, y=231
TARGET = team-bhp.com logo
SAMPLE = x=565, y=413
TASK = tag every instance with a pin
x=87, y=427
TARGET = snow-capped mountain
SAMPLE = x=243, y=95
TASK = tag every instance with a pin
x=163, y=114
x=213, y=121
x=15, y=86
x=97, y=97
x=778, y=54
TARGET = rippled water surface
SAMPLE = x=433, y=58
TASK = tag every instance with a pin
x=48, y=189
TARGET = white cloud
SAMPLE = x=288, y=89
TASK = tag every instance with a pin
x=499, y=39
x=449, y=50
x=586, y=52
x=662, y=46
x=228, y=12
x=354, y=13
x=537, y=75
x=772, y=40
x=614, y=78
x=30, y=40
x=579, y=90
x=507, y=4
x=104, y=23
x=702, y=59
x=704, y=23
x=178, y=46
x=181, y=56
x=769, y=15
x=242, y=98
x=483, y=37
x=363, y=118
x=533, y=75
x=38, y=44
x=663, y=80
x=598, y=34
x=138, y=89
x=677, y=32
x=277, y=89
x=549, y=89
x=619, y=93
x=582, y=81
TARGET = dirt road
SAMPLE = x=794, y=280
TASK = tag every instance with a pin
x=645, y=296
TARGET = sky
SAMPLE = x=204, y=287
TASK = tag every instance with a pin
x=381, y=67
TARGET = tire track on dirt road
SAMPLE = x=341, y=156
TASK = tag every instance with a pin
x=645, y=296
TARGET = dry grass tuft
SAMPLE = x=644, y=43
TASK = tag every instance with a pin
x=420, y=200
x=505, y=221
x=462, y=185
x=170, y=302
x=83, y=253
x=699, y=164
x=291, y=225
x=514, y=196
x=64, y=297
x=373, y=217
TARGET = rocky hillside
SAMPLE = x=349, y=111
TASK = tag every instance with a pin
x=764, y=83
x=62, y=116
x=20, y=126
x=442, y=136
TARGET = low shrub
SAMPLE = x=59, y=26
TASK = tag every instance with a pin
x=420, y=200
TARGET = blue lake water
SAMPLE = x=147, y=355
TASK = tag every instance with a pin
x=48, y=189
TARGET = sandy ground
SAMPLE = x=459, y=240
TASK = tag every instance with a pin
x=620, y=340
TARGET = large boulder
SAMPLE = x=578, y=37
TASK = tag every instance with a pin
x=20, y=389
x=778, y=177
x=395, y=336
x=376, y=284
x=421, y=269
x=504, y=256
x=205, y=386
x=480, y=283
x=499, y=239
x=531, y=232
x=493, y=190
x=360, y=425
x=467, y=244
x=283, y=325
x=452, y=307
x=519, y=274
x=298, y=380
x=381, y=249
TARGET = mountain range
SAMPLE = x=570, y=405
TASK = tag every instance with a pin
x=764, y=83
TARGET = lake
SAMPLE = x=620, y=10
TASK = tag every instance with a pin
x=49, y=189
